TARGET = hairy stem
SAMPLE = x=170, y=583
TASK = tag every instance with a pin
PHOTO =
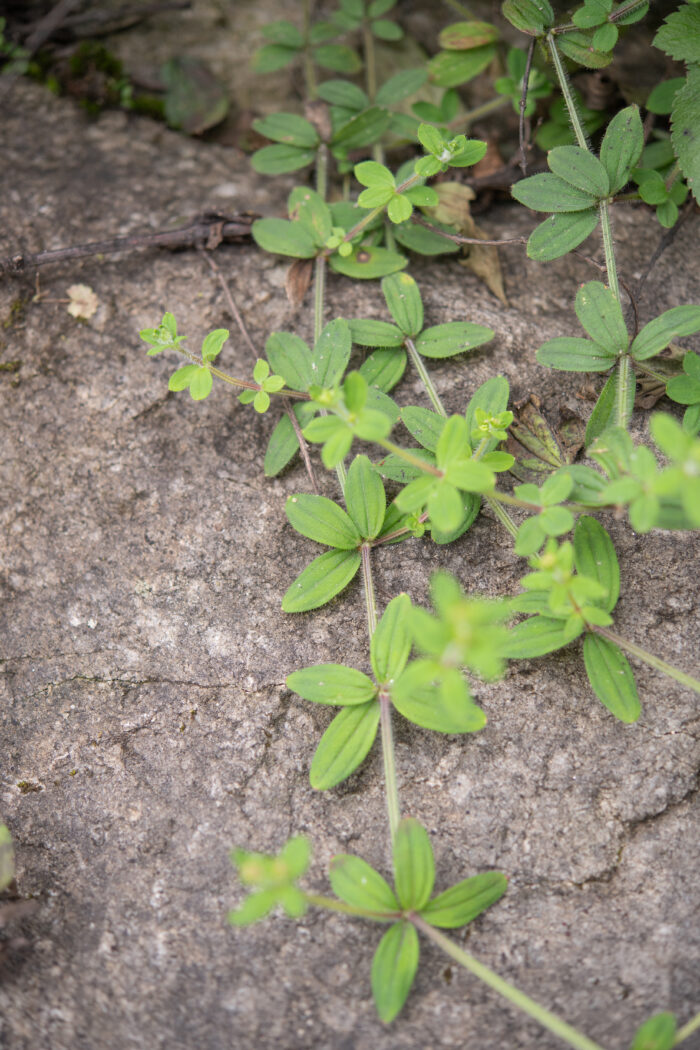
x=648, y=658
x=539, y=1013
x=425, y=377
x=320, y=281
x=389, y=757
x=388, y=753
x=563, y=79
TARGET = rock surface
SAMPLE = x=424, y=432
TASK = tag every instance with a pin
x=145, y=727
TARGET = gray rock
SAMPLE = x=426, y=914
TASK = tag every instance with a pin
x=144, y=720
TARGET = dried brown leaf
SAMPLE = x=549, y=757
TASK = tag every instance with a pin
x=297, y=281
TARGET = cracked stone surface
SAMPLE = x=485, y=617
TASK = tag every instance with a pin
x=145, y=727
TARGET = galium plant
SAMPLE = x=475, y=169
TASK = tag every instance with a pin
x=419, y=659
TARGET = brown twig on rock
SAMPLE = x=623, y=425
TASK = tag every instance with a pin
x=206, y=231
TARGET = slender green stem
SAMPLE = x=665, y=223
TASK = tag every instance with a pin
x=242, y=384
x=648, y=658
x=576, y=124
x=370, y=602
x=687, y=1030
x=426, y=379
x=608, y=248
x=408, y=457
x=320, y=280
x=318, y=900
x=371, y=215
x=389, y=756
x=643, y=366
x=539, y=1013
x=502, y=515
x=388, y=753
x=468, y=118
x=370, y=60
x=309, y=72
x=625, y=9
x=625, y=376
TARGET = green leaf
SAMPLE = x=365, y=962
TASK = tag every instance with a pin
x=491, y=397
x=679, y=36
x=536, y=636
x=289, y=129
x=200, y=384
x=360, y=886
x=365, y=498
x=384, y=368
x=605, y=37
x=343, y=93
x=278, y=160
x=572, y=354
x=446, y=340
x=685, y=128
x=320, y=581
x=683, y=390
x=420, y=697
x=271, y=57
x=337, y=57
x=414, y=865
x=367, y=262
x=362, y=130
x=404, y=302
x=195, y=99
x=332, y=684
x=283, y=32
x=611, y=677
x=404, y=83
x=370, y=173
x=549, y=192
x=594, y=556
x=255, y=907
x=529, y=16
x=290, y=358
x=380, y=7
x=672, y=324
x=601, y=315
x=394, y=969
x=344, y=745
x=603, y=414
x=580, y=168
x=622, y=146
x=384, y=29
x=376, y=333
x=579, y=46
x=283, y=442
x=449, y=69
x=660, y=99
x=322, y=520
x=305, y=205
x=426, y=426
x=213, y=342
x=463, y=902
x=282, y=237
x=558, y=234
x=425, y=242
x=394, y=468
x=7, y=858
x=462, y=36
x=331, y=353
x=390, y=645
x=658, y=1033
x=399, y=209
